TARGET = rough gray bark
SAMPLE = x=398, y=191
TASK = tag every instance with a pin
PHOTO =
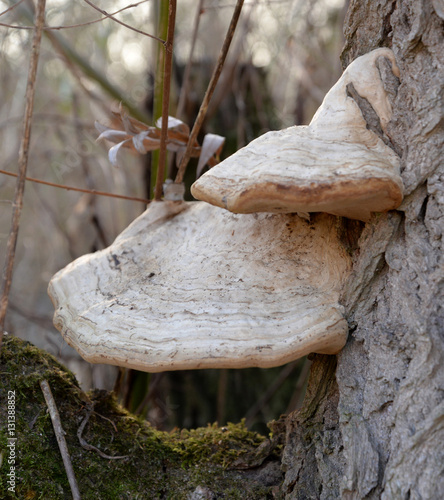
x=373, y=426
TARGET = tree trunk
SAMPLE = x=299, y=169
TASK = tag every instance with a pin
x=372, y=423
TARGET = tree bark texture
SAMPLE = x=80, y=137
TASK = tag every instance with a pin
x=372, y=423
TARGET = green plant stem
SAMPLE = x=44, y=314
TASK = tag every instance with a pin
x=162, y=31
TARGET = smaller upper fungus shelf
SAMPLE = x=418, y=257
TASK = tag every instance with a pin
x=334, y=165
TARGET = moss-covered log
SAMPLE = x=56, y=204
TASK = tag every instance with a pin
x=213, y=462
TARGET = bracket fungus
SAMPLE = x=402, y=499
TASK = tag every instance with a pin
x=188, y=285
x=334, y=165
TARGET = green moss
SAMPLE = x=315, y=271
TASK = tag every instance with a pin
x=156, y=464
x=213, y=444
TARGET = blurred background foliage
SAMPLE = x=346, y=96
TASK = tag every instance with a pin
x=282, y=61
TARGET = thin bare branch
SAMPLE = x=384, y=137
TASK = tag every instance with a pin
x=107, y=419
x=60, y=435
x=187, y=72
x=73, y=66
x=22, y=165
x=166, y=98
x=80, y=25
x=88, y=70
x=95, y=20
x=13, y=7
x=48, y=119
x=95, y=217
x=90, y=447
x=155, y=380
x=218, y=6
x=54, y=218
x=4, y=25
x=38, y=319
x=270, y=392
x=110, y=16
x=186, y=81
x=210, y=90
x=228, y=76
x=222, y=396
x=80, y=190
x=299, y=392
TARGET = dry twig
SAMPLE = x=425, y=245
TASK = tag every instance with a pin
x=22, y=164
x=60, y=435
x=95, y=216
x=107, y=419
x=163, y=42
x=80, y=190
x=13, y=7
x=269, y=393
x=299, y=393
x=155, y=381
x=186, y=75
x=186, y=80
x=210, y=90
x=90, y=447
x=69, y=26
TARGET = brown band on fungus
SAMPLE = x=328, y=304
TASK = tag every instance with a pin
x=342, y=163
